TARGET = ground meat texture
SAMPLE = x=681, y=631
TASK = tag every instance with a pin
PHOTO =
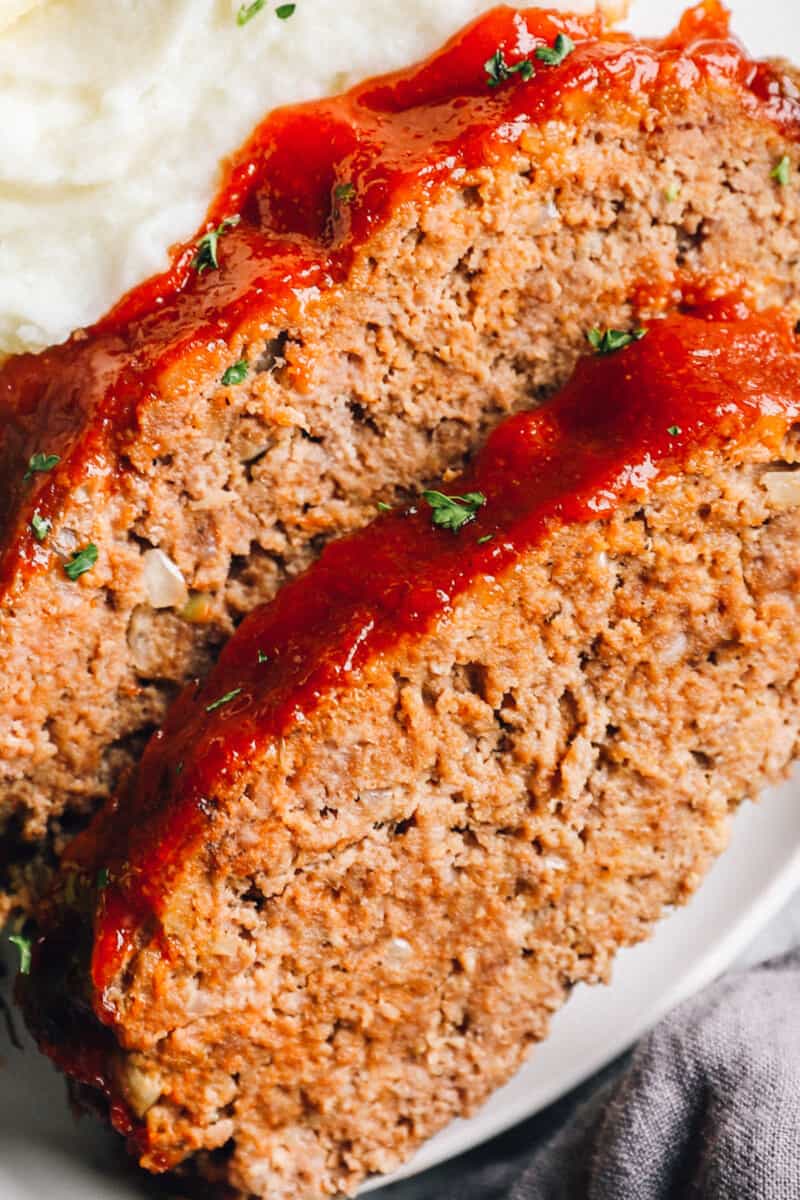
x=465, y=295
x=363, y=865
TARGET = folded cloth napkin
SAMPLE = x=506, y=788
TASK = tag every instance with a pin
x=707, y=1106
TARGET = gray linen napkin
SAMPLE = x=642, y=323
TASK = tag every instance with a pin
x=707, y=1107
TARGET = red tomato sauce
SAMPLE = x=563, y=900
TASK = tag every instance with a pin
x=390, y=138
x=694, y=382
x=717, y=378
x=720, y=377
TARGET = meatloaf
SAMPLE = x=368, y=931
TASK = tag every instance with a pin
x=383, y=277
x=444, y=776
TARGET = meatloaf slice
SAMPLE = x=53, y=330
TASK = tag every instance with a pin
x=444, y=776
x=411, y=263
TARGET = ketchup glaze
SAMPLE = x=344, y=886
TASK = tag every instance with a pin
x=720, y=377
x=717, y=379
x=307, y=190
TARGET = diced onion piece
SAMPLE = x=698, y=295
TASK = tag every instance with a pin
x=783, y=488
x=165, y=586
x=141, y=1090
x=399, y=950
x=199, y=609
x=674, y=648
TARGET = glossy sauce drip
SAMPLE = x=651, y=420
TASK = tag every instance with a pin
x=387, y=139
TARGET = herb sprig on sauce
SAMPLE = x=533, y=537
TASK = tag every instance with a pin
x=498, y=71
x=41, y=463
x=453, y=512
x=207, y=257
x=609, y=341
x=40, y=526
x=553, y=56
x=226, y=699
x=345, y=193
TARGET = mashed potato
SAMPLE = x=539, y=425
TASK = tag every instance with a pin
x=116, y=115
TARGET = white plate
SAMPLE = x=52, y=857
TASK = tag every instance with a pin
x=44, y=1153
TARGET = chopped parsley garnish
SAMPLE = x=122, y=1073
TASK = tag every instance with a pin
x=102, y=879
x=262, y=657
x=487, y=537
x=24, y=946
x=608, y=341
x=81, y=562
x=248, y=11
x=206, y=258
x=782, y=171
x=284, y=11
x=40, y=463
x=672, y=192
x=454, y=512
x=384, y=507
x=235, y=374
x=674, y=431
x=345, y=193
x=40, y=527
x=498, y=70
x=223, y=700
x=553, y=56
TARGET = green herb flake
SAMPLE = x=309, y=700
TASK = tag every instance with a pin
x=41, y=463
x=672, y=192
x=236, y=374
x=498, y=71
x=206, y=258
x=454, y=512
x=674, y=431
x=345, y=193
x=284, y=11
x=40, y=527
x=553, y=56
x=782, y=171
x=384, y=507
x=226, y=699
x=262, y=657
x=487, y=537
x=102, y=879
x=25, y=947
x=608, y=341
x=81, y=562
x=248, y=11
